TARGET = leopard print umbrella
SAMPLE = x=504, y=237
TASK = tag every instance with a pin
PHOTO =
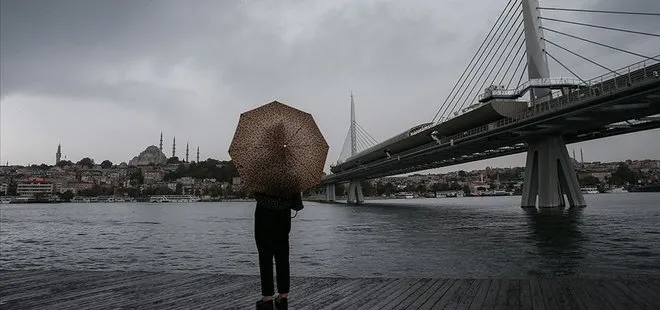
x=277, y=148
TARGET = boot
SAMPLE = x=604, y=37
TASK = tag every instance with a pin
x=281, y=303
x=264, y=305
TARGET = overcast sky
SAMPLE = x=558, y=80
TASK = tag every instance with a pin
x=104, y=78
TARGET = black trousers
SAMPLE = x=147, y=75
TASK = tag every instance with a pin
x=271, y=231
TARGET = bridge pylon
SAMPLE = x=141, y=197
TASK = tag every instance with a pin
x=355, y=195
x=330, y=193
x=549, y=174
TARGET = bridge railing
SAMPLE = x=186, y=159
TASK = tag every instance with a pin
x=608, y=83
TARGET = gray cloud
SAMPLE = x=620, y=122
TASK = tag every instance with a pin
x=190, y=69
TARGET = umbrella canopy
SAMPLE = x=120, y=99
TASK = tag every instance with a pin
x=277, y=148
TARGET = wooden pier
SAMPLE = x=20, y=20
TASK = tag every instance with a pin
x=149, y=290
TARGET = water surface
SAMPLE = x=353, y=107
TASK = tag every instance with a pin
x=617, y=235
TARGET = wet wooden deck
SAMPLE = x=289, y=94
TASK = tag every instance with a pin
x=145, y=290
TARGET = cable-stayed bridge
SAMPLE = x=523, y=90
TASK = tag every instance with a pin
x=493, y=111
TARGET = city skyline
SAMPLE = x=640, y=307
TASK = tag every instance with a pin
x=110, y=80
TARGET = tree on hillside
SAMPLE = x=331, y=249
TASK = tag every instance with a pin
x=86, y=162
x=64, y=163
x=106, y=164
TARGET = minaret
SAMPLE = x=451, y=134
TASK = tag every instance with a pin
x=58, y=155
x=161, y=141
x=187, y=149
x=581, y=156
x=198, y=154
x=174, y=147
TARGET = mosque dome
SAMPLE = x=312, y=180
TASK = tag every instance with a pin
x=151, y=155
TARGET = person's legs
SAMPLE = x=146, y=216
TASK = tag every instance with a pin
x=281, y=251
x=266, y=269
x=265, y=249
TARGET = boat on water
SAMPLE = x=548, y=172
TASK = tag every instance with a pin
x=589, y=190
x=404, y=195
x=5, y=200
x=174, y=198
x=617, y=190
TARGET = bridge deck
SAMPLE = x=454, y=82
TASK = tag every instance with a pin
x=145, y=290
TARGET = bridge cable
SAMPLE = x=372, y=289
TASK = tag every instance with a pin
x=578, y=55
x=601, y=44
x=598, y=11
x=524, y=57
x=469, y=96
x=463, y=94
x=520, y=48
x=481, y=62
x=360, y=146
x=565, y=67
x=371, y=138
x=522, y=74
x=366, y=140
x=497, y=22
x=522, y=35
x=601, y=27
x=365, y=145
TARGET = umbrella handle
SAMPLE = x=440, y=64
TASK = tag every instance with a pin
x=294, y=216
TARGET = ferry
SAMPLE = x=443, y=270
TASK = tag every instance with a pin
x=174, y=198
x=5, y=200
x=589, y=190
x=404, y=195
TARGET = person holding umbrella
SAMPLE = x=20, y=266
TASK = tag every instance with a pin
x=278, y=151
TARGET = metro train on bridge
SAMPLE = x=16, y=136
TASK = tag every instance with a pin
x=463, y=120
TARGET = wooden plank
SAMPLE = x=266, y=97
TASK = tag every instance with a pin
x=479, y=298
x=491, y=295
x=390, y=293
x=465, y=292
x=513, y=295
x=526, y=302
x=614, y=299
x=624, y=298
x=429, y=304
x=587, y=300
x=437, y=283
x=565, y=298
x=548, y=295
x=384, y=292
x=595, y=294
x=648, y=290
x=635, y=295
x=450, y=293
x=429, y=288
x=350, y=293
x=365, y=297
x=537, y=294
x=405, y=300
x=502, y=294
x=398, y=296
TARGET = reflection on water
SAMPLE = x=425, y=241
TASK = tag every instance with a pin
x=557, y=234
x=615, y=236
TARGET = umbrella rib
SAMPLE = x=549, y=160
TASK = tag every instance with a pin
x=293, y=135
x=304, y=166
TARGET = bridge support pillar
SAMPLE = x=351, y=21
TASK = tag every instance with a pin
x=549, y=174
x=330, y=193
x=355, y=195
